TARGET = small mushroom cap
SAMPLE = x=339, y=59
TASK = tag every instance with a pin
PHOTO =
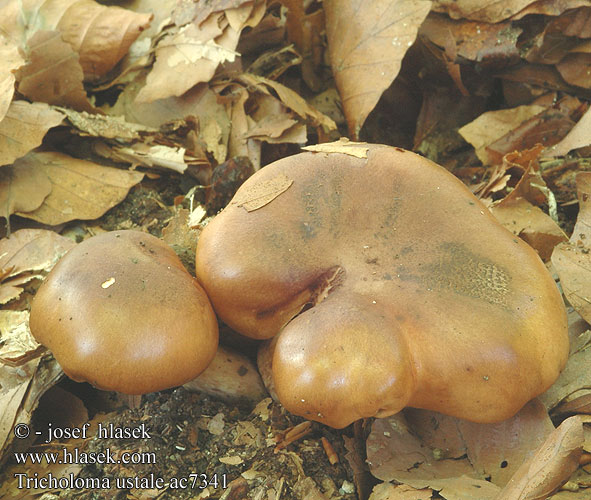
x=389, y=284
x=121, y=312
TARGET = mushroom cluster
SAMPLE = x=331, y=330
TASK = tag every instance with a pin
x=120, y=311
x=387, y=284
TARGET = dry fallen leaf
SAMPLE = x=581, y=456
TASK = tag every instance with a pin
x=490, y=11
x=395, y=453
x=575, y=379
x=80, y=189
x=573, y=67
x=20, y=390
x=425, y=449
x=11, y=61
x=550, y=467
x=24, y=127
x=231, y=376
x=17, y=345
x=142, y=154
x=259, y=195
x=291, y=99
x=572, y=259
x=101, y=35
x=366, y=43
x=578, y=137
x=14, y=382
x=343, y=145
x=497, y=450
x=531, y=224
x=304, y=30
x=189, y=56
x=24, y=255
x=481, y=42
x=22, y=188
x=32, y=250
x=389, y=491
x=549, y=7
x=53, y=73
x=579, y=405
x=107, y=127
x=492, y=125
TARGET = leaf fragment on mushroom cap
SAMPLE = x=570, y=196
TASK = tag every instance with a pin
x=261, y=194
x=343, y=145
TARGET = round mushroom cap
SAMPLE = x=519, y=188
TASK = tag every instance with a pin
x=120, y=311
x=389, y=284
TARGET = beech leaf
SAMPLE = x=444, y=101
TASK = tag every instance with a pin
x=22, y=188
x=101, y=35
x=366, y=42
x=24, y=127
x=550, y=467
x=489, y=11
x=11, y=60
x=572, y=259
x=80, y=189
x=53, y=73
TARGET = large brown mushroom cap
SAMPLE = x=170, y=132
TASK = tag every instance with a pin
x=418, y=296
x=121, y=312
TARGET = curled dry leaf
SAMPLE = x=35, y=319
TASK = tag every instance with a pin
x=560, y=37
x=549, y=7
x=487, y=44
x=531, y=185
x=26, y=253
x=343, y=145
x=20, y=390
x=172, y=158
x=14, y=383
x=107, y=127
x=550, y=467
x=290, y=99
x=427, y=449
x=22, y=188
x=100, y=35
x=531, y=224
x=17, y=345
x=29, y=250
x=80, y=189
x=490, y=11
x=200, y=102
x=197, y=12
x=11, y=61
x=24, y=127
x=573, y=68
x=53, y=73
x=578, y=137
x=492, y=125
x=304, y=30
x=189, y=56
x=579, y=405
x=366, y=43
x=572, y=259
x=575, y=379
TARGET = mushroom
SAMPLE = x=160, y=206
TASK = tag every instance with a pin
x=120, y=311
x=389, y=285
